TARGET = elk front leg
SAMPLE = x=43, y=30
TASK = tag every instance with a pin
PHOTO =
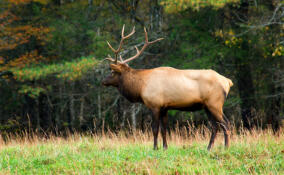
x=164, y=122
x=155, y=127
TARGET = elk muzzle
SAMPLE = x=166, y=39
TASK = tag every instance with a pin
x=110, y=80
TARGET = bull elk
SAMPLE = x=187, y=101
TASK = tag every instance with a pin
x=165, y=88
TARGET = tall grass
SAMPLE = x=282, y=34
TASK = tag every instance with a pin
x=255, y=152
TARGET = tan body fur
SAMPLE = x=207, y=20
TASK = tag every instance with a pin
x=165, y=88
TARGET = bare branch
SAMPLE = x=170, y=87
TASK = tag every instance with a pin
x=275, y=19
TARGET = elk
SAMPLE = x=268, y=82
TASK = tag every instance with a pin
x=165, y=88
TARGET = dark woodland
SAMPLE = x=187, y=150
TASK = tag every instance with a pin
x=52, y=61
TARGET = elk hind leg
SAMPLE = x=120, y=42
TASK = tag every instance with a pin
x=213, y=135
x=214, y=130
x=218, y=116
x=225, y=127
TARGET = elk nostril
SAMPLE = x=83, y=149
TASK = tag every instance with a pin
x=104, y=83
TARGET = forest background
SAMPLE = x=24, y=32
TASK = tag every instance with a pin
x=52, y=60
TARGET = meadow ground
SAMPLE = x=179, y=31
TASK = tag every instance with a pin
x=259, y=152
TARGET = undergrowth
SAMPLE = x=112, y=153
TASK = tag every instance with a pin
x=256, y=152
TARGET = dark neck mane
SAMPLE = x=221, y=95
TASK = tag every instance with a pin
x=131, y=84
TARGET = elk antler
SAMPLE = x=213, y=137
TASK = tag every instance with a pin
x=116, y=51
x=147, y=43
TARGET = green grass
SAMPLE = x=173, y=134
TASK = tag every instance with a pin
x=257, y=153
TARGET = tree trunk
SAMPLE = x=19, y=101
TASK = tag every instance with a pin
x=81, y=114
x=134, y=111
x=99, y=108
x=37, y=115
x=133, y=118
x=244, y=75
x=156, y=16
x=246, y=92
x=72, y=108
x=273, y=108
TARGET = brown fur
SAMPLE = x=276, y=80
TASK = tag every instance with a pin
x=165, y=88
x=131, y=84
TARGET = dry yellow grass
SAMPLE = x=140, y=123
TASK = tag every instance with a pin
x=255, y=152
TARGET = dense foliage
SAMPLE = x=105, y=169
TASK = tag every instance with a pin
x=52, y=51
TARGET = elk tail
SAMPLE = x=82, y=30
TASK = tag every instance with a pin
x=230, y=82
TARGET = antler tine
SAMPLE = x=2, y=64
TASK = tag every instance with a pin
x=116, y=51
x=120, y=57
x=111, y=47
x=130, y=34
x=122, y=31
x=143, y=48
x=146, y=35
x=124, y=37
x=136, y=48
x=110, y=59
x=159, y=39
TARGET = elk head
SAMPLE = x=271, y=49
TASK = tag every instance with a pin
x=114, y=78
x=118, y=68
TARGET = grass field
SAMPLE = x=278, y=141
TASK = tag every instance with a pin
x=259, y=152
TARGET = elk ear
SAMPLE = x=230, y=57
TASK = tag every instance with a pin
x=115, y=68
